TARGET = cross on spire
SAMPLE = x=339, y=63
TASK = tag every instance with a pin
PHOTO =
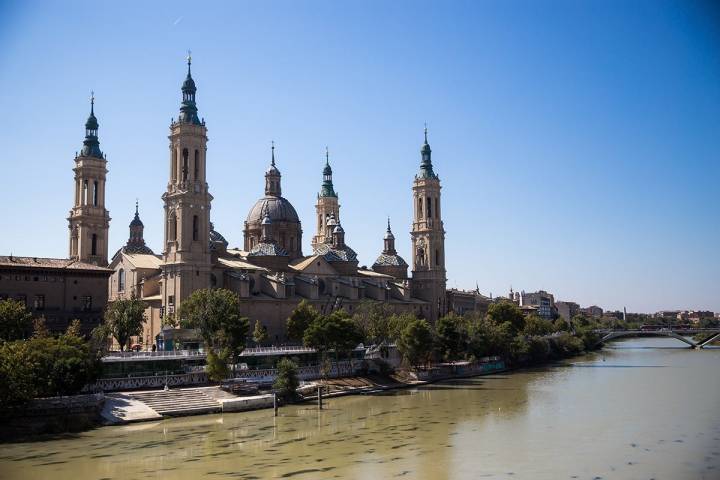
x=272, y=161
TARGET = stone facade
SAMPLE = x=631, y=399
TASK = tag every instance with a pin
x=270, y=274
x=60, y=290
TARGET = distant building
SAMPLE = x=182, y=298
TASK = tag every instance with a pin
x=696, y=316
x=463, y=301
x=592, y=311
x=567, y=310
x=544, y=301
x=667, y=314
x=58, y=289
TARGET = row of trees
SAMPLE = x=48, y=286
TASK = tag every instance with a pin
x=35, y=364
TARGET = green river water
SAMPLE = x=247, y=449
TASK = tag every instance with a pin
x=640, y=409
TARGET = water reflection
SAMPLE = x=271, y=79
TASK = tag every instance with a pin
x=624, y=413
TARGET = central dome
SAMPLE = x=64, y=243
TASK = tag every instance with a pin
x=278, y=209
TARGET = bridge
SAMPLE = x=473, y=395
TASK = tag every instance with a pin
x=708, y=335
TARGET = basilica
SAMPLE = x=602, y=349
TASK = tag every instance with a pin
x=271, y=274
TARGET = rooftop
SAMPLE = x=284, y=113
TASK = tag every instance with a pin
x=53, y=263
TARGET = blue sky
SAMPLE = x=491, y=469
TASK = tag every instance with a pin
x=578, y=143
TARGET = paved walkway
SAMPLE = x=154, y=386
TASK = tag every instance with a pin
x=120, y=408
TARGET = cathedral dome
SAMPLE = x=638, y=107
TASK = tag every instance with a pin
x=216, y=237
x=278, y=209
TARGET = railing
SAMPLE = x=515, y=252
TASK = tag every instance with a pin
x=281, y=349
x=111, y=356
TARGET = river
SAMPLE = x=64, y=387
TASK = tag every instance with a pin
x=640, y=409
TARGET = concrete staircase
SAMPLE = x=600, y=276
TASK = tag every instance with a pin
x=174, y=403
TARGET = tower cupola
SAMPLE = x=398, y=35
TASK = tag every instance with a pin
x=338, y=237
x=91, y=145
x=272, y=177
x=327, y=189
x=136, y=241
x=426, y=168
x=389, y=240
x=188, y=108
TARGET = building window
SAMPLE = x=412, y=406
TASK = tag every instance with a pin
x=95, y=193
x=39, y=303
x=87, y=303
x=184, y=164
x=420, y=208
x=196, y=165
x=171, y=299
x=93, y=245
x=173, y=227
x=429, y=207
x=121, y=280
x=196, y=226
x=85, y=192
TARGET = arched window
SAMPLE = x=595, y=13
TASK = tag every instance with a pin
x=196, y=227
x=93, y=245
x=172, y=234
x=121, y=280
x=196, y=166
x=420, y=208
x=95, y=193
x=184, y=164
x=429, y=207
x=174, y=165
x=85, y=192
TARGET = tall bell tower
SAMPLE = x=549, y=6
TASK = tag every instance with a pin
x=89, y=220
x=327, y=205
x=186, y=251
x=428, y=238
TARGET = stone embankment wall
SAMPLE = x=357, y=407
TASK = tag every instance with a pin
x=51, y=415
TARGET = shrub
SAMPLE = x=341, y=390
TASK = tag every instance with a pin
x=286, y=382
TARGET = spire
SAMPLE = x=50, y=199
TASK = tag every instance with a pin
x=389, y=241
x=426, y=168
x=188, y=108
x=327, y=189
x=136, y=242
x=91, y=145
x=272, y=176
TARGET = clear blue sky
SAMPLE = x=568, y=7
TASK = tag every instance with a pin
x=578, y=143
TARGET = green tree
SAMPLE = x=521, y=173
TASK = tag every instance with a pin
x=286, y=382
x=502, y=312
x=416, y=342
x=373, y=320
x=300, y=319
x=451, y=336
x=260, y=334
x=15, y=320
x=538, y=326
x=75, y=328
x=216, y=314
x=561, y=325
x=124, y=318
x=216, y=365
x=17, y=382
x=397, y=323
x=335, y=332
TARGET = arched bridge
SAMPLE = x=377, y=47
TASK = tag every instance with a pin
x=707, y=335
